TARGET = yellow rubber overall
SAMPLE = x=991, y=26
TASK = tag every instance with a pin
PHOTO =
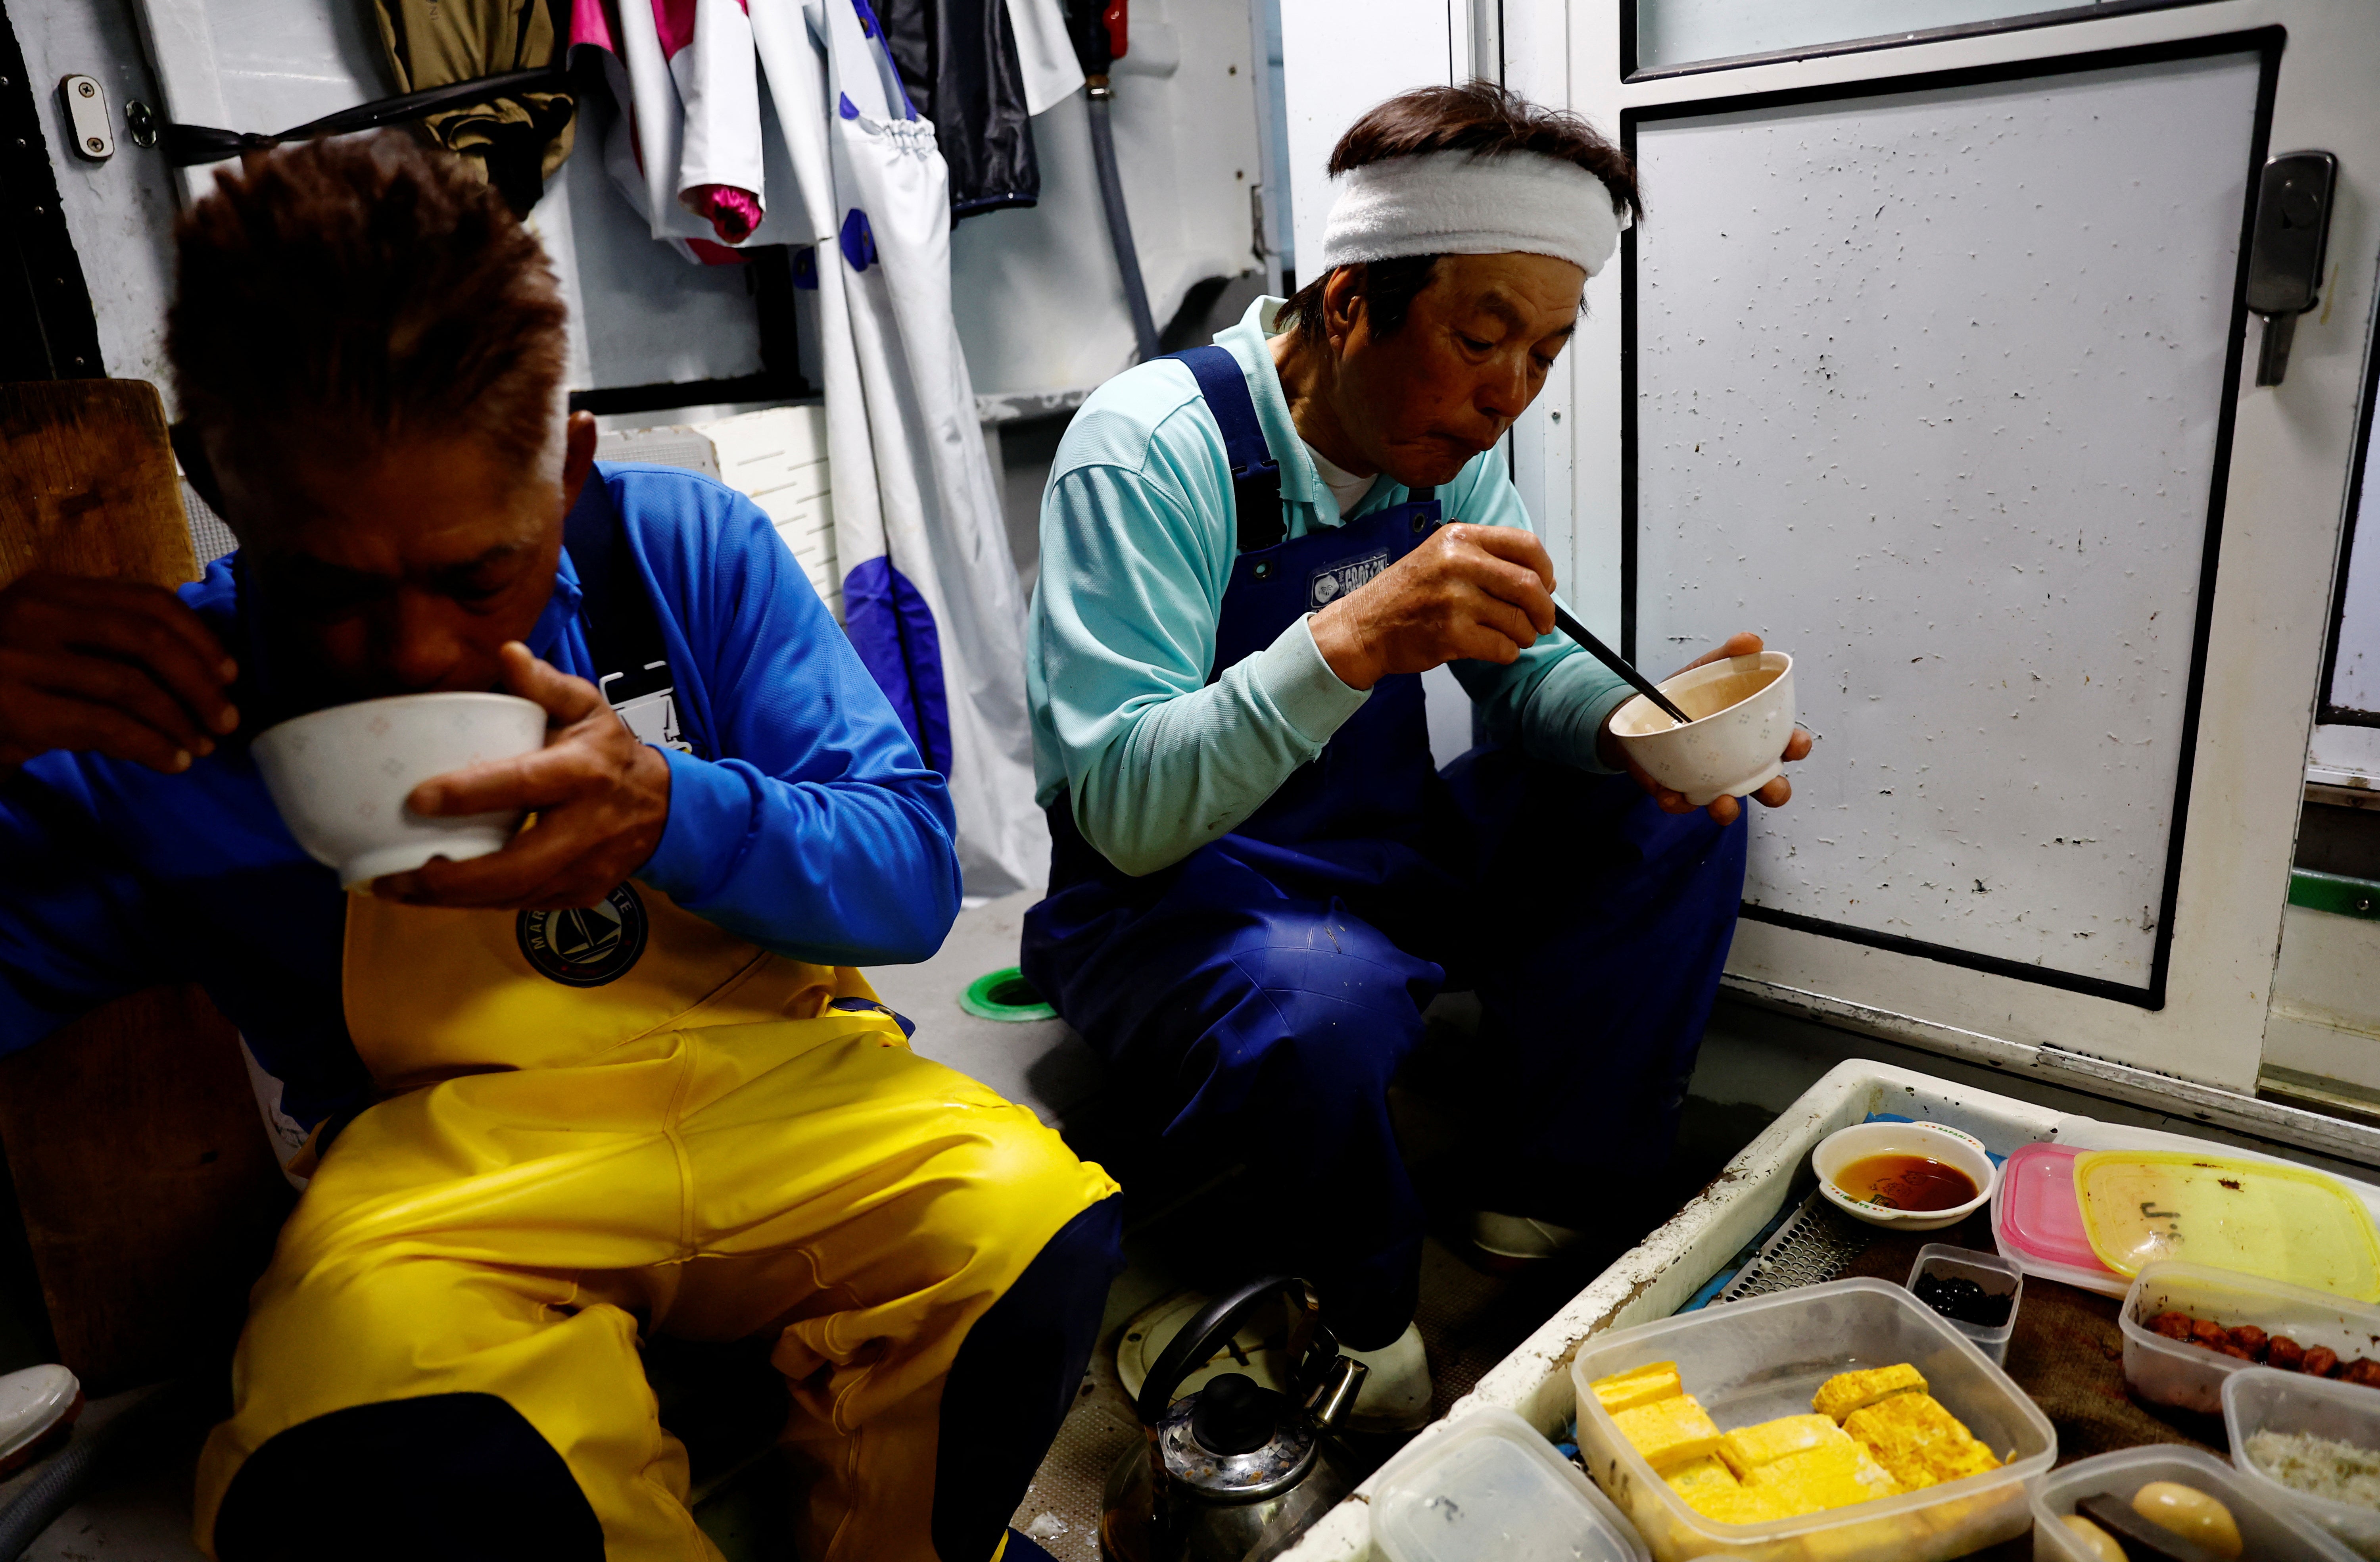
x=699, y=1146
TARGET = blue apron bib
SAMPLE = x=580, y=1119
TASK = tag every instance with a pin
x=1370, y=792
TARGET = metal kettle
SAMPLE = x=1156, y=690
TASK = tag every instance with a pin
x=1233, y=1473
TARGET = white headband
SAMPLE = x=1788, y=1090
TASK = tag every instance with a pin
x=1463, y=203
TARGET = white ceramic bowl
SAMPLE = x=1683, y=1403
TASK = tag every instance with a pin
x=1938, y=1140
x=341, y=776
x=1742, y=711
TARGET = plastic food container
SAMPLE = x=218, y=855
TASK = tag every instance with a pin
x=2267, y=1529
x=2261, y=1399
x=1749, y=1361
x=1996, y=1274
x=2037, y=1221
x=2189, y=1377
x=1490, y=1488
x=2283, y=1222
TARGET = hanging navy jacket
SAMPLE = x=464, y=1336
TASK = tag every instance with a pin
x=958, y=60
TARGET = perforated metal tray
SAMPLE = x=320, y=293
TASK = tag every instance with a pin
x=1816, y=1243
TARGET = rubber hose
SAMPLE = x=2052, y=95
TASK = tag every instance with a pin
x=1136, y=290
x=69, y=1472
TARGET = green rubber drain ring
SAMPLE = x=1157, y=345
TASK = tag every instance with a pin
x=1005, y=995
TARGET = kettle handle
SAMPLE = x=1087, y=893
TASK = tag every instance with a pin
x=1312, y=1346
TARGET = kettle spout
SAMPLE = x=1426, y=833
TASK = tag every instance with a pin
x=1335, y=1394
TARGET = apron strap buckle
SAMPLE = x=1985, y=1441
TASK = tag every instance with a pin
x=1255, y=476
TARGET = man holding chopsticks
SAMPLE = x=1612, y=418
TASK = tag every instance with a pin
x=1259, y=878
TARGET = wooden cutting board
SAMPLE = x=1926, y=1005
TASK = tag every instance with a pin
x=147, y=1192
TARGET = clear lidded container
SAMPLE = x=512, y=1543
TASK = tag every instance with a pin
x=2189, y=1377
x=1755, y=1360
x=1998, y=1277
x=2261, y=1399
x=1487, y=1487
x=2267, y=1529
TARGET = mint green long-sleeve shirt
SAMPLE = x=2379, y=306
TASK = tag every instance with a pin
x=1137, y=542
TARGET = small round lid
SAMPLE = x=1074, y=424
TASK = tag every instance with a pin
x=1234, y=1442
x=1233, y=1416
x=2039, y=1214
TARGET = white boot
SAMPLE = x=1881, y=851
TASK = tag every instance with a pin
x=1395, y=1396
x=1513, y=1241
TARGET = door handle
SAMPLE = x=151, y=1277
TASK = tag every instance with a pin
x=2285, y=254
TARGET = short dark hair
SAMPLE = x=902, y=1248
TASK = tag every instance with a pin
x=369, y=287
x=1480, y=118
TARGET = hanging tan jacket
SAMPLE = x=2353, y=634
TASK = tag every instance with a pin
x=519, y=140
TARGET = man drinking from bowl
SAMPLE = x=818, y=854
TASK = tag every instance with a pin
x=617, y=1079
x=1259, y=878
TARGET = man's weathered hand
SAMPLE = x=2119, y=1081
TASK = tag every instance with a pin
x=1481, y=593
x=1723, y=809
x=112, y=667
x=600, y=796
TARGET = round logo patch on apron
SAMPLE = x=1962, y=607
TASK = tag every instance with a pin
x=585, y=946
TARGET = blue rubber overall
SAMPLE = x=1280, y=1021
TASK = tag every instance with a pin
x=1255, y=999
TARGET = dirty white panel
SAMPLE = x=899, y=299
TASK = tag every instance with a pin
x=119, y=213
x=1340, y=57
x=1038, y=300
x=1673, y=32
x=2325, y=1016
x=2343, y=755
x=1927, y=395
x=2355, y=672
x=640, y=315
x=284, y=64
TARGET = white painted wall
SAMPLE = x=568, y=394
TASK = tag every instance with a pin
x=284, y=63
x=1343, y=57
x=639, y=313
x=1340, y=58
x=640, y=316
x=119, y=213
x=1038, y=300
x=1530, y=43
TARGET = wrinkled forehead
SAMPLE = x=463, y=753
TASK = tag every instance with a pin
x=308, y=450
x=330, y=489
x=1536, y=295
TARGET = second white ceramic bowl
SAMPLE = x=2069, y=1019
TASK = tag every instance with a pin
x=1744, y=717
x=1937, y=1141
x=340, y=777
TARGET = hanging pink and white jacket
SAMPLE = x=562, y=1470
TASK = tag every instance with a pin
x=688, y=150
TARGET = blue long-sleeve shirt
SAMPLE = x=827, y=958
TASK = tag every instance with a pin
x=816, y=832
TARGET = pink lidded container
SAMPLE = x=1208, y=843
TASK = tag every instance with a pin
x=2037, y=1220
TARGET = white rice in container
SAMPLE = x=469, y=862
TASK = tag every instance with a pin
x=2320, y=1467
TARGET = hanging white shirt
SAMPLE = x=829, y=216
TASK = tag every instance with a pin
x=1045, y=56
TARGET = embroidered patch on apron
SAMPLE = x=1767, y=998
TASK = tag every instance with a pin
x=585, y=946
x=1327, y=586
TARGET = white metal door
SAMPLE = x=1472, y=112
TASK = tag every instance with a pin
x=1928, y=364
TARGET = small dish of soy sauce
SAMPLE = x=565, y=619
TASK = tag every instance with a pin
x=1909, y=1176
